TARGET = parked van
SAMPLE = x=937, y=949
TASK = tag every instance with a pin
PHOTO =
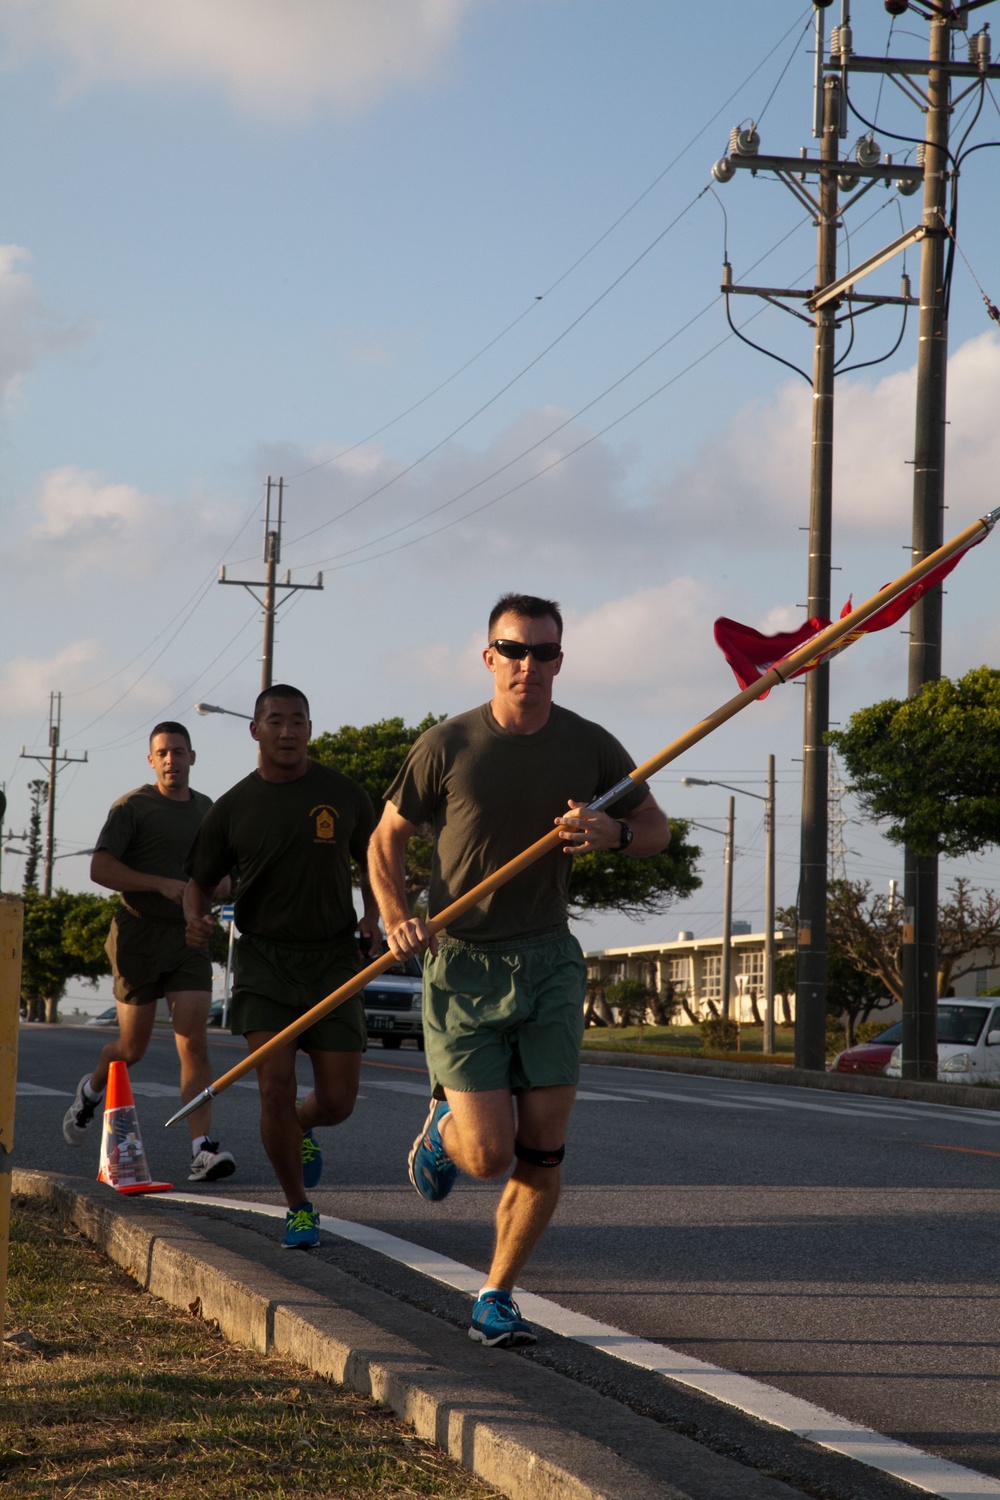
x=968, y=1037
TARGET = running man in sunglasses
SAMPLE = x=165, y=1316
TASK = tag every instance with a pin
x=504, y=988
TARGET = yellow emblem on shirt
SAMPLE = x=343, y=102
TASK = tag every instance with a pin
x=325, y=824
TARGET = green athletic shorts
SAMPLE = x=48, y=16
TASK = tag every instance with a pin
x=151, y=958
x=275, y=983
x=504, y=1015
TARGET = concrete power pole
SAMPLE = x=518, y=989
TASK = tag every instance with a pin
x=920, y=878
x=270, y=604
x=55, y=762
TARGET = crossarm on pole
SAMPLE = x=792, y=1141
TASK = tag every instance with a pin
x=813, y=651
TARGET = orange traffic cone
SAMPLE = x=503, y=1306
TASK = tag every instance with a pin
x=123, y=1161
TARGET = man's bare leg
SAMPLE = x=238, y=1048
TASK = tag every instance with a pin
x=478, y=1134
x=135, y=1027
x=336, y=1078
x=189, y=1013
x=280, y=1131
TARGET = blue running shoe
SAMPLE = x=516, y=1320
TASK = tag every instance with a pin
x=301, y=1228
x=312, y=1160
x=431, y=1169
x=497, y=1322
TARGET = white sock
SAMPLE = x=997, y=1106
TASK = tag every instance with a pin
x=197, y=1143
x=91, y=1095
x=502, y=1290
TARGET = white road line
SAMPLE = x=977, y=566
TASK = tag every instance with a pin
x=680, y=1098
x=935, y=1476
x=398, y=1086
x=24, y=1090
x=155, y=1090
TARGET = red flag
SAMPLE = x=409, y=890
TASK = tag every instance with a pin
x=751, y=654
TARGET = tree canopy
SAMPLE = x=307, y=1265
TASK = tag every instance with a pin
x=929, y=766
x=373, y=753
x=64, y=936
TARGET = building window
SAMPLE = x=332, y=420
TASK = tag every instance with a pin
x=680, y=973
x=711, y=976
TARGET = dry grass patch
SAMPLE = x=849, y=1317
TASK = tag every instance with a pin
x=109, y=1393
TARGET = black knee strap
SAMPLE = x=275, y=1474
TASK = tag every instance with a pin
x=539, y=1158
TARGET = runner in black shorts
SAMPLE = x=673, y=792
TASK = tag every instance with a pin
x=290, y=832
x=504, y=990
x=141, y=852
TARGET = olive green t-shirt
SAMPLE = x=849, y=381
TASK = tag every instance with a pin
x=488, y=794
x=290, y=846
x=152, y=833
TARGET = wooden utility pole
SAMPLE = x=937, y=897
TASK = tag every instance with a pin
x=55, y=761
x=270, y=604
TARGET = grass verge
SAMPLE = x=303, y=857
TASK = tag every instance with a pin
x=686, y=1041
x=108, y=1393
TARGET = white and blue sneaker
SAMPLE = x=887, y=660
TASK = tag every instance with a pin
x=301, y=1228
x=431, y=1169
x=312, y=1160
x=497, y=1322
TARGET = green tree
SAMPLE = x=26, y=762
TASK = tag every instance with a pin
x=64, y=936
x=372, y=755
x=631, y=998
x=635, y=887
x=929, y=766
x=39, y=796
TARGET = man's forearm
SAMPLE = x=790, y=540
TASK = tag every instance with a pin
x=387, y=880
x=197, y=901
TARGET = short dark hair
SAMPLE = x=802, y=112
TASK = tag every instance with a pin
x=528, y=606
x=169, y=726
x=278, y=690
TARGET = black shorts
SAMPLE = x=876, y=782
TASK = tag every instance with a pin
x=275, y=983
x=150, y=959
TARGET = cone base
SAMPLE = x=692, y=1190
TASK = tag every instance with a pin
x=140, y=1187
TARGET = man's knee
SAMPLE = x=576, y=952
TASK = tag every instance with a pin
x=334, y=1111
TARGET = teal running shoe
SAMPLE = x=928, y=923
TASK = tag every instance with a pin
x=312, y=1160
x=497, y=1322
x=431, y=1169
x=301, y=1228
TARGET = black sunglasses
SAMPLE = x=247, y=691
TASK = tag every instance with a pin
x=517, y=650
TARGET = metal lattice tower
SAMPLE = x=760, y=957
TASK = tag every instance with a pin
x=837, y=821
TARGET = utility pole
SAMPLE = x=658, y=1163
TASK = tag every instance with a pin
x=920, y=871
x=270, y=604
x=769, y=831
x=920, y=883
x=832, y=298
x=55, y=762
x=727, y=909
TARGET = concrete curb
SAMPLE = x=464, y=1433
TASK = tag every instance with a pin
x=532, y=1433
x=960, y=1095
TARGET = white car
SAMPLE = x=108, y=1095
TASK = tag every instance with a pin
x=393, y=1005
x=968, y=1037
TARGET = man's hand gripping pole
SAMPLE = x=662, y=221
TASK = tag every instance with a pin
x=819, y=646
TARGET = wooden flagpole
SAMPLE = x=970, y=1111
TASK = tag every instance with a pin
x=842, y=632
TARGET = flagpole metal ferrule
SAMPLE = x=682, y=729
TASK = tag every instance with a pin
x=191, y=1106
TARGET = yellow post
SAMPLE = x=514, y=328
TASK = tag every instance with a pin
x=11, y=932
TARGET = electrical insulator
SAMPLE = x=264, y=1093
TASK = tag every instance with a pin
x=727, y=274
x=921, y=153
x=897, y=7
x=907, y=186
x=744, y=142
x=868, y=152
x=723, y=171
x=847, y=182
x=979, y=49
x=904, y=285
x=841, y=41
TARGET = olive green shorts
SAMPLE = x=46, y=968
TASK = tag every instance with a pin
x=504, y=1015
x=150, y=959
x=275, y=983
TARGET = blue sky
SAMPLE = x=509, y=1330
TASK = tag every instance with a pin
x=244, y=238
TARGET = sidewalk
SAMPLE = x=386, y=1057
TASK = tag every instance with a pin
x=527, y=1430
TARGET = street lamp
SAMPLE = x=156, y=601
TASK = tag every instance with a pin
x=213, y=708
x=769, y=821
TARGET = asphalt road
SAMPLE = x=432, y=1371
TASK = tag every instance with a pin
x=839, y=1247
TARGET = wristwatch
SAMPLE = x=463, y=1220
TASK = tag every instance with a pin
x=626, y=837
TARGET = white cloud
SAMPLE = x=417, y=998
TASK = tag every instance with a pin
x=74, y=502
x=28, y=330
x=27, y=680
x=279, y=60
